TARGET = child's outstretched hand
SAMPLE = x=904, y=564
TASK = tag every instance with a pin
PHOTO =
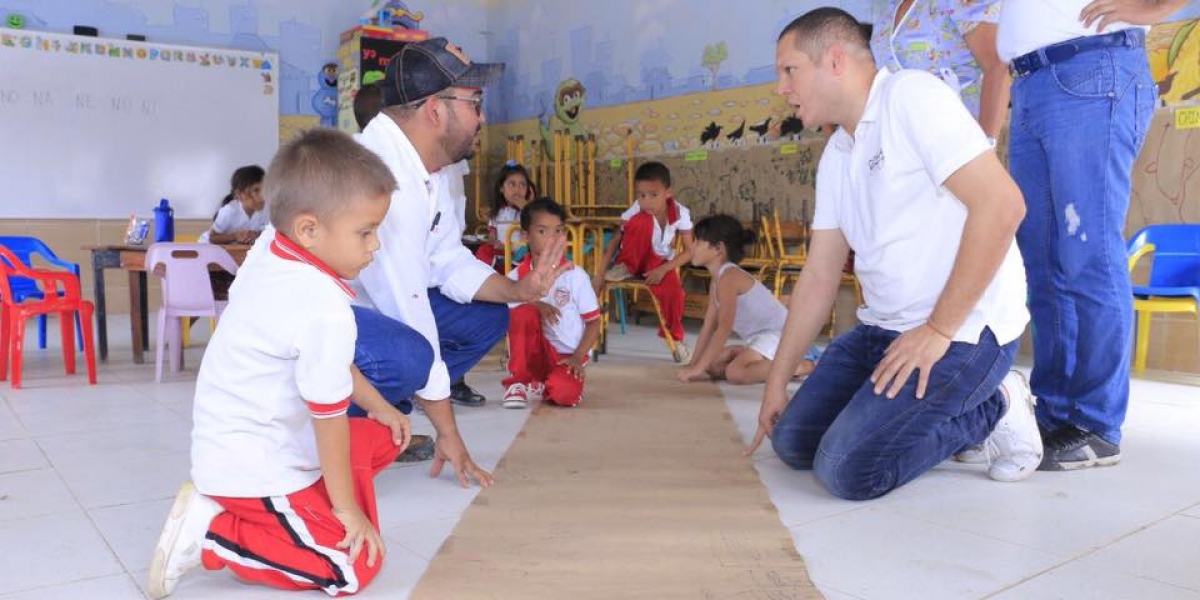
x=574, y=364
x=689, y=374
x=359, y=532
x=397, y=422
x=548, y=312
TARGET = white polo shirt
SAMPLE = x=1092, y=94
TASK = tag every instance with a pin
x=232, y=217
x=663, y=240
x=1026, y=25
x=573, y=296
x=883, y=188
x=280, y=358
x=420, y=246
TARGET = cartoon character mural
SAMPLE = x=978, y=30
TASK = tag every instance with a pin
x=324, y=102
x=568, y=107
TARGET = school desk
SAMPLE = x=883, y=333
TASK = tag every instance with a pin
x=131, y=259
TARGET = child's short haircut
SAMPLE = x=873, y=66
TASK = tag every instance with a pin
x=724, y=229
x=653, y=171
x=320, y=173
x=543, y=204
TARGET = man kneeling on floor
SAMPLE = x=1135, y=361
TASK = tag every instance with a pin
x=911, y=184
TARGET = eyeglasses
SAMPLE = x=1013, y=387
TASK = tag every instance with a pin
x=476, y=100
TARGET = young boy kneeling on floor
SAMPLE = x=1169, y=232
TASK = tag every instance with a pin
x=284, y=493
x=549, y=340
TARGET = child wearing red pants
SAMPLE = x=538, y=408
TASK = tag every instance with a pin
x=284, y=493
x=644, y=247
x=549, y=340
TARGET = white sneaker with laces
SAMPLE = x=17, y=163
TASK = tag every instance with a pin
x=178, y=548
x=1014, y=449
x=516, y=396
x=682, y=354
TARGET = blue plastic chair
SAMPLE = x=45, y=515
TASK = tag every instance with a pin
x=1174, y=281
x=23, y=287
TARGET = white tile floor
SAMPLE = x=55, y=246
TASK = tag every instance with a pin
x=87, y=473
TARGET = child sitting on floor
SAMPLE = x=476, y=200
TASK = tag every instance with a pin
x=513, y=191
x=549, y=340
x=644, y=247
x=284, y=493
x=737, y=303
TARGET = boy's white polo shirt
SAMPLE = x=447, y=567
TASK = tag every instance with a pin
x=883, y=188
x=679, y=218
x=573, y=296
x=279, y=359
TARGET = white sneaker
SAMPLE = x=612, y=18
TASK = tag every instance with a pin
x=516, y=396
x=1014, y=449
x=617, y=272
x=178, y=548
x=682, y=354
x=536, y=392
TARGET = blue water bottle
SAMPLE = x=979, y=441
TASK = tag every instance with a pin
x=164, y=222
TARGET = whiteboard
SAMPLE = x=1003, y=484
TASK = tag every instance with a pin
x=97, y=128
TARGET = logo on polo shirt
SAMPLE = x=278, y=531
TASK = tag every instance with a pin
x=876, y=161
x=562, y=297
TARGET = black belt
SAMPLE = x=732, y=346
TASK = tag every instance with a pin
x=1056, y=53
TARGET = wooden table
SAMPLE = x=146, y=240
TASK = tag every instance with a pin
x=131, y=259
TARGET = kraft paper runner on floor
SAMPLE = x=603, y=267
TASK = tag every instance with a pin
x=641, y=492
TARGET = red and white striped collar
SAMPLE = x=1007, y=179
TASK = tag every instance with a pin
x=285, y=248
x=526, y=265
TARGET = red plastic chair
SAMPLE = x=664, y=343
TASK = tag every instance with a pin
x=60, y=291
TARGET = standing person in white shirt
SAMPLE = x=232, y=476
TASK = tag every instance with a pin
x=1082, y=99
x=910, y=183
x=428, y=310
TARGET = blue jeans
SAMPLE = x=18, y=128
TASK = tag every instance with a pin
x=1077, y=127
x=396, y=358
x=861, y=445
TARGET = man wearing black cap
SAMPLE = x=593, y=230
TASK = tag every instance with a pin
x=428, y=309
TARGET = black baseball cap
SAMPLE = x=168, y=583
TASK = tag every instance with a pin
x=422, y=69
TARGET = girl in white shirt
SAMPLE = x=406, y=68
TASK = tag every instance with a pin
x=737, y=303
x=513, y=191
x=241, y=216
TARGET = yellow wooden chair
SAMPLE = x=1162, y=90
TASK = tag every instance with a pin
x=632, y=289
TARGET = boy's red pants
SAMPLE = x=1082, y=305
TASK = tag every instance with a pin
x=637, y=254
x=289, y=541
x=533, y=359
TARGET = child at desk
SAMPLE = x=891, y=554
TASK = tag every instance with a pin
x=284, y=493
x=241, y=216
x=644, y=247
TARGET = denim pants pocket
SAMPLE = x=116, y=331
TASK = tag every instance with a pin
x=1085, y=76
